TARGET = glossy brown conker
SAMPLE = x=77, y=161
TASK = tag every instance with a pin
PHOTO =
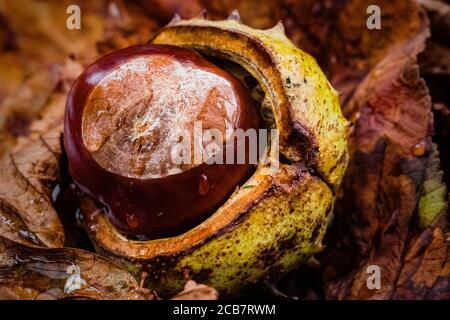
x=120, y=117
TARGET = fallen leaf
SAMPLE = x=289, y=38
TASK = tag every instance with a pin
x=435, y=60
x=31, y=273
x=439, y=13
x=194, y=291
x=426, y=268
x=126, y=25
x=40, y=29
x=355, y=49
x=24, y=104
x=28, y=176
x=390, y=147
x=442, y=128
x=435, y=68
x=164, y=10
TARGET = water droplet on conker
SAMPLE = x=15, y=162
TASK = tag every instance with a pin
x=132, y=220
x=203, y=185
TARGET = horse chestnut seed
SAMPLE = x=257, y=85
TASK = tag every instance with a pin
x=123, y=117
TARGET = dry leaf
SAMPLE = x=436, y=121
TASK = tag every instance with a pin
x=164, y=10
x=194, y=291
x=442, y=127
x=25, y=103
x=28, y=175
x=435, y=67
x=125, y=25
x=40, y=29
x=354, y=49
x=426, y=268
x=38, y=273
x=390, y=146
x=439, y=13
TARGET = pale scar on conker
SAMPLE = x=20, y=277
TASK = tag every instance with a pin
x=124, y=116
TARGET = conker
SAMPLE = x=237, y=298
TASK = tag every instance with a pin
x=122, y=116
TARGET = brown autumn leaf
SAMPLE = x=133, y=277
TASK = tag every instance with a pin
x=255, y=13
x=377, y=215
x=354, y=49
x=40, y=29
x=21, y=106
x=195, y=291
x=436, y=60
x=28, y=273
x=336, y=34
x=28, y=175
x=30, y=169
x=7, y=39
x=442, y=127
x=125, y=24
x=164, y=10
x=38, y=43
x=435, y=68
x=426, y=267
x=439, y=14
